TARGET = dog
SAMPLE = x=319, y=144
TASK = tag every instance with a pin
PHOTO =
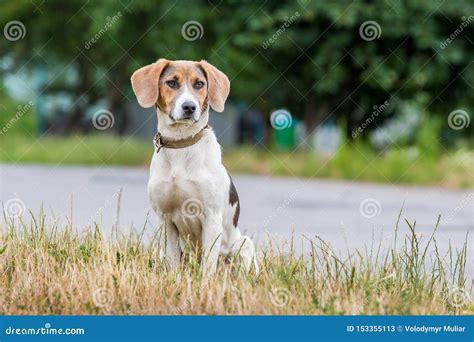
x=189, y=187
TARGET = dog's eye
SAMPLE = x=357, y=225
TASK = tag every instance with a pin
x=198, y=85
x=172, y=84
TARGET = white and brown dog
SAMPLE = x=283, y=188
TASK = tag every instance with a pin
x=189, y=188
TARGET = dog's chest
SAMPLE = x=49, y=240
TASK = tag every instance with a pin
x=177, y=180
x=174, y=193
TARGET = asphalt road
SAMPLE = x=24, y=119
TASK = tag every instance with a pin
x=345, y=214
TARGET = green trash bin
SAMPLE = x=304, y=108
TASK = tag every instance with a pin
x=284, y=130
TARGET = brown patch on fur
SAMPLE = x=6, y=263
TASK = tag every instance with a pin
x=218, y=85
x=234, y=199
x=145, y=82
x=186, y=74
x=205, y=106
x=149, y=84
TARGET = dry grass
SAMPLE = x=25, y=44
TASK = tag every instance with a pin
x=50, y=269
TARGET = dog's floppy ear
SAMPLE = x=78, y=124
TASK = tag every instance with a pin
x=218, y=86
x=145, y=82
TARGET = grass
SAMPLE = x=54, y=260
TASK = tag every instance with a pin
x=46, y=268
x=76, y=150
x=352, y=162
x=426, y=162
x=397, y=166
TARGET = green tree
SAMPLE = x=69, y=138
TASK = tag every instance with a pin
x=307, y=56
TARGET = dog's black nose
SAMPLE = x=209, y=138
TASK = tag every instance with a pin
x=188, y=107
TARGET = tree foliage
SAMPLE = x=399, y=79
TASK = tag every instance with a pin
x=307, y=56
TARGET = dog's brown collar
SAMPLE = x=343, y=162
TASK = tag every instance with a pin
x=159, y=141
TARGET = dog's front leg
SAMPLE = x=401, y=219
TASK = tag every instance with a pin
x=170, y=243
x=211, y=242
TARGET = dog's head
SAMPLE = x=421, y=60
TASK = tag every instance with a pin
x=182, y=92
